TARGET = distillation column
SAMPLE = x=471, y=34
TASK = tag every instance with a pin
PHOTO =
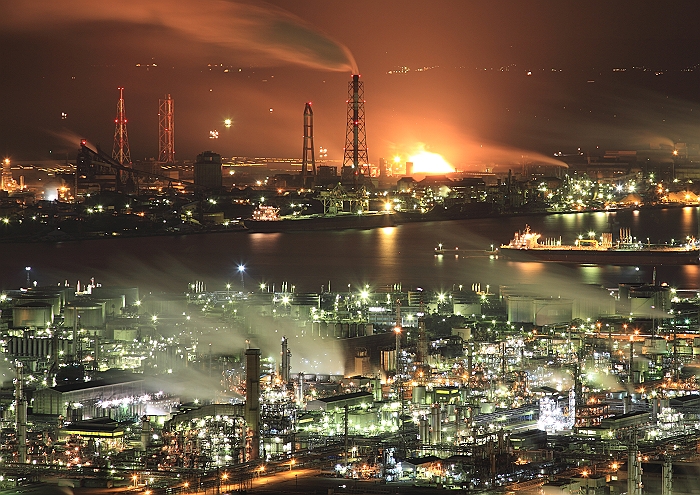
x=285, y=365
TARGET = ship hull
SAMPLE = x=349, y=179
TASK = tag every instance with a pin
x=607, y=257
x=340, y=222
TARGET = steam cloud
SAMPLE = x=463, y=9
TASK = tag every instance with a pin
x=257, y=27
x=501, y=156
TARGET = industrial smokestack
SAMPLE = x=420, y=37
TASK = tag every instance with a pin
x=252, y=400
x=308, y=157
x=285, y=365
x=20, y=414
x=145, y=433
x=300, y=398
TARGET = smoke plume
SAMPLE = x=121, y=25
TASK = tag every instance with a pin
x=257, y=27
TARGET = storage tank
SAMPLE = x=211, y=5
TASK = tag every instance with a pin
x=418, y=396
x=113, y=305
x=129, y=294
x=32, y=314
x=42, y=297
x=436, y=424
x=91, y=313
x=549, y=311
x=520, y=309
x=62, y=292
x=164, y=305
x=424, y=431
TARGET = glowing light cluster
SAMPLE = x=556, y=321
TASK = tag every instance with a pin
x=426, y=162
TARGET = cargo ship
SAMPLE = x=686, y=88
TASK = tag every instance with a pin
x=526, y=246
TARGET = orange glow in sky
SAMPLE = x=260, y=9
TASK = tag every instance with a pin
x=426, y=162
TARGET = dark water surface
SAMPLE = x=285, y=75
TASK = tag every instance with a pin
x=308, y=260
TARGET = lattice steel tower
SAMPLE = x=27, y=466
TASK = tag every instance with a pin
x=308, y=159
x=355, y=151
x=120, y=150
x=166, y=130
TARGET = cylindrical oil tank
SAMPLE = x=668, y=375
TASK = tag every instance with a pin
x=419, y=394
x=59, y=291
x=43, y=297
x=164, y=305
x=113, y=305
x=91, y=313
x=451, y=412
x=436, y=424
x=32, y=314
x=129, y=294
x=424, y=431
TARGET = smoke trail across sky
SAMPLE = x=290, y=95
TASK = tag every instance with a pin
x=257, y=27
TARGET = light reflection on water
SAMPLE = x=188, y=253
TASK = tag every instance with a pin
x=385, y=256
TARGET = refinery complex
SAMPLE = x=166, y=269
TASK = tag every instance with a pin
x=473, y=269
x=474, y=388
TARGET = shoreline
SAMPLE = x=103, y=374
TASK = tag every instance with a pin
x=330, y=224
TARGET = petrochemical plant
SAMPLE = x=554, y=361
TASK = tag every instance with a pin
x=474, y=389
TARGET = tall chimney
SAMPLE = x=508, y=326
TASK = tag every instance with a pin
x=252, y=400
x=20, y=414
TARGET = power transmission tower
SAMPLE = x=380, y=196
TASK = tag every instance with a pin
x=355, y=158
x=120, y=150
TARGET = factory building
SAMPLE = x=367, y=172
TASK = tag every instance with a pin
x=115, y=397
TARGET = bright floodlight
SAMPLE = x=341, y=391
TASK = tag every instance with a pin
x=241, y=268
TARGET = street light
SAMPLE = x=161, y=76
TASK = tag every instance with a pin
x=241, y=270
x=28, y=269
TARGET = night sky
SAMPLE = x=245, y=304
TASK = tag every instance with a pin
x=258, y=63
